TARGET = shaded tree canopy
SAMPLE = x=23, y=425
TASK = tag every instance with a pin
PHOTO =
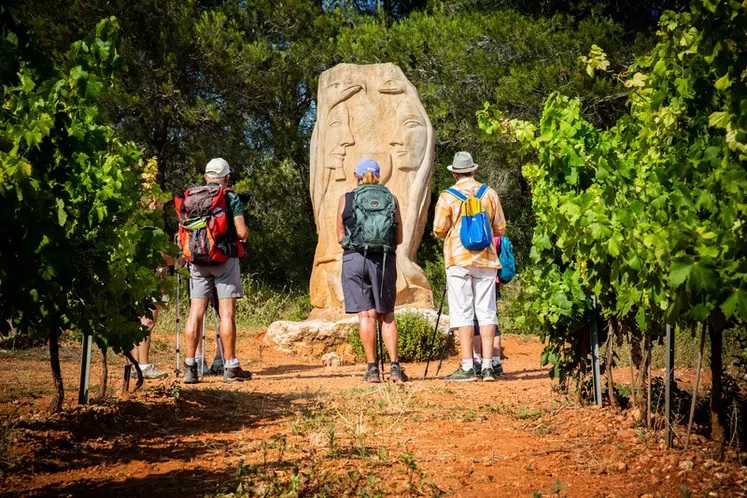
x=208, y=78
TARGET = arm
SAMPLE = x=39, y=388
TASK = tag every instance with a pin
x=442, y=218
x=499, y=220
x=398, y=220
x=234, y=205
x=339, y=224
x=241, y=231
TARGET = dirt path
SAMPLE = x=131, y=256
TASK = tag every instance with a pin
x=515, y=437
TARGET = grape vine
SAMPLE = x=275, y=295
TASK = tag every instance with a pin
x=649, y=215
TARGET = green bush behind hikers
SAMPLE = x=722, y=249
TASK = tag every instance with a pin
x=415, y=333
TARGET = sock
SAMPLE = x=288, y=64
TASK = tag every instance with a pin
x=395, y=363
x=487, y=363
x=199, y=359
x=143, y=366
x=478, y=358
x=373, y=365
x=496, y=360
x=190, y=362
x=231, y=363
x=467, y=365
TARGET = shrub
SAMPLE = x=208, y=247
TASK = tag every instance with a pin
x=300, y=309
x=261, y=305
x=415, y=334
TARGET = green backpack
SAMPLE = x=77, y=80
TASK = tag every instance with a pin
x=375, y=227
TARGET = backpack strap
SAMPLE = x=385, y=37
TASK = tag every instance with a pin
x=481, y=191
x=456, y=194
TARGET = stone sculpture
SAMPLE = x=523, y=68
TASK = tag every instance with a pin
x=370, y=111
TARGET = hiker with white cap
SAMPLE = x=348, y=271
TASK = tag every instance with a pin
x=369, y=229
x=211, y=232
x=468, y=216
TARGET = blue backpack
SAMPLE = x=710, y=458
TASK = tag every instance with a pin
x=475, y=233
x=508, y=263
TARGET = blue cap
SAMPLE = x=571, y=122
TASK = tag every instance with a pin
x=367, y=166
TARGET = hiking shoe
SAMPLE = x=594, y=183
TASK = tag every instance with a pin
x=488, y=374
x=498, y=370
x=149, y=372
x=477, y=365
x=461, y=376
x=236, y=374
x=217, y=367
x=190, y=374
x=372, y=375
x=397, y=374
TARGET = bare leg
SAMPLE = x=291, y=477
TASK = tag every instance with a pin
x=465, y=341
x=367, y=321
x=477, y=344
x=193, y=328
x=227, y=310
x=141, y=351
x=487, y=334
x=389, y=334
x=497, y=346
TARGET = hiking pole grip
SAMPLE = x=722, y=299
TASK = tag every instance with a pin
x=435, y=332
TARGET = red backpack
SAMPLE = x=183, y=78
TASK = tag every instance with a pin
x=206, y=235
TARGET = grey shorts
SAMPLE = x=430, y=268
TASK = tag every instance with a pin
x=225, y=276
x=361, y=282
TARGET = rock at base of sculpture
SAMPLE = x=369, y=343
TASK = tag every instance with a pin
x=315, y=337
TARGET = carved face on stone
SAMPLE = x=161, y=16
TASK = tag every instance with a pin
x=339, y=135
x=410, y=137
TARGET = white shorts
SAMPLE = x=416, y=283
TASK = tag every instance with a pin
x=471, y=293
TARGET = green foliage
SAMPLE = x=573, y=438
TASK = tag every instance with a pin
x=648, y=214
x=72, y=201
x=239, y=80
x=415, y=334
x=261, y=305
x=308, y=479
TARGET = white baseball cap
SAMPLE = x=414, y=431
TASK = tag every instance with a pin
x=217, y=168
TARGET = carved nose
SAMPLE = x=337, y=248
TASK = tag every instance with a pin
x=396, y=139
x=348, y=139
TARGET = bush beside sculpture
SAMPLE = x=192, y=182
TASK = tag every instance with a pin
x=415, y=335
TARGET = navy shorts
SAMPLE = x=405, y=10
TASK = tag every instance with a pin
x=362, y=282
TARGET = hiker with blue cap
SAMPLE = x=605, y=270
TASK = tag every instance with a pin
x=369, y=229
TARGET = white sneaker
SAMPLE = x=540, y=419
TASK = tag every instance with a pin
x=149, y=372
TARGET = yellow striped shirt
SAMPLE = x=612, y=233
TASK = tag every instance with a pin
x=447, y=223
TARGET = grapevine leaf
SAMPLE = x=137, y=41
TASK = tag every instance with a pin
x=61, y=214
x=723, y=82
x=735, y=303
x=718, y=119
x=680, y=271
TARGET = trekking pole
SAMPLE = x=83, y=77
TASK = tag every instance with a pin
x=202, y=349
x=435, y=332
x=216, y=321
x=380, y=349
x=178, y=287
x=443, y=351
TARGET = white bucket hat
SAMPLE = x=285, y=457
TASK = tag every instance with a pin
x=462, y=163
